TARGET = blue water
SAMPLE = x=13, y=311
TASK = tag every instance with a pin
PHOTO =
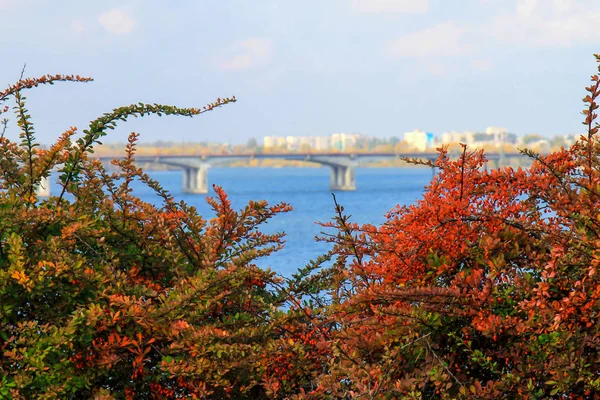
x=378, y=190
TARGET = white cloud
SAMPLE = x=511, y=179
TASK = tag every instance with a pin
x=526, y=7
x=77, y=26
x=246, y=54
x=117, y=22
x=481, y=64
x=441, y=40
x=390, y=6
x=560, y=23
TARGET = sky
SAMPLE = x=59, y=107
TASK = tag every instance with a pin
x=312, y=67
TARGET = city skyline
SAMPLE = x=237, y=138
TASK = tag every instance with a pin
x=379, y=66
x=416, y=140
x=492, y=139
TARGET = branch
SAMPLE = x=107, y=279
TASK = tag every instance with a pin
x=34, y=82
x=442, y=363
x=98, y=128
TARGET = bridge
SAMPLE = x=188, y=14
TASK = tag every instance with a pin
x=342, y=165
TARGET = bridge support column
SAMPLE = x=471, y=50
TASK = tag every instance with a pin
x=195, y=180
x=43, y=189
x=342, y=177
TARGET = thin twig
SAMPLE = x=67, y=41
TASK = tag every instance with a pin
x=4, y=123
x=22, y=71
x=442, y=363
x=462, y=170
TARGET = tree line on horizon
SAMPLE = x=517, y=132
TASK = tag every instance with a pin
x=487, y=287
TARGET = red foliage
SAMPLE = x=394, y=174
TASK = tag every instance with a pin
x=487, y=286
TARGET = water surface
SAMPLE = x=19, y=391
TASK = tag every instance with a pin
x=378, y=190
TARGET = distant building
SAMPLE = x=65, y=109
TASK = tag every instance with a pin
x=322, y=143
x=344, y=141
x=306, y=143
x=493, y=136
x=292, y=142
x=499, y=134
x=466, y=137
x=271, y=142
x=430, y=139
x=340, y=141
x=419, y=140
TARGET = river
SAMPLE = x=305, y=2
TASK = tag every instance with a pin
x=378, y=190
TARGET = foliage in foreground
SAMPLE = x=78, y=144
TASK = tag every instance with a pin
x=104, y=295
x=485, y=288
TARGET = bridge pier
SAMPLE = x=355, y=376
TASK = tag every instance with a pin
x=195, y=180
x=43, y=188
x=342, y=177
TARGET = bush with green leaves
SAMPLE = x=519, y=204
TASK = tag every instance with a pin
x=104, y=295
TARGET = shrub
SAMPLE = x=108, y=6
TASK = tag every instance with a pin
x=104, y=295
x=487, y=287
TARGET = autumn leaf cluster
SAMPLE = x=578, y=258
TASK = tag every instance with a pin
x=486, y=287
x=103, y=295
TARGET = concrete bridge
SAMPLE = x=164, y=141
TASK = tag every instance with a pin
x=342, y=165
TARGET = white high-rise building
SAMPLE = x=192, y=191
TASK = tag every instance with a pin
x=498, y=133
x=419, y=140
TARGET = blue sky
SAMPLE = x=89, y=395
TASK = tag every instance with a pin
x=378, y=67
